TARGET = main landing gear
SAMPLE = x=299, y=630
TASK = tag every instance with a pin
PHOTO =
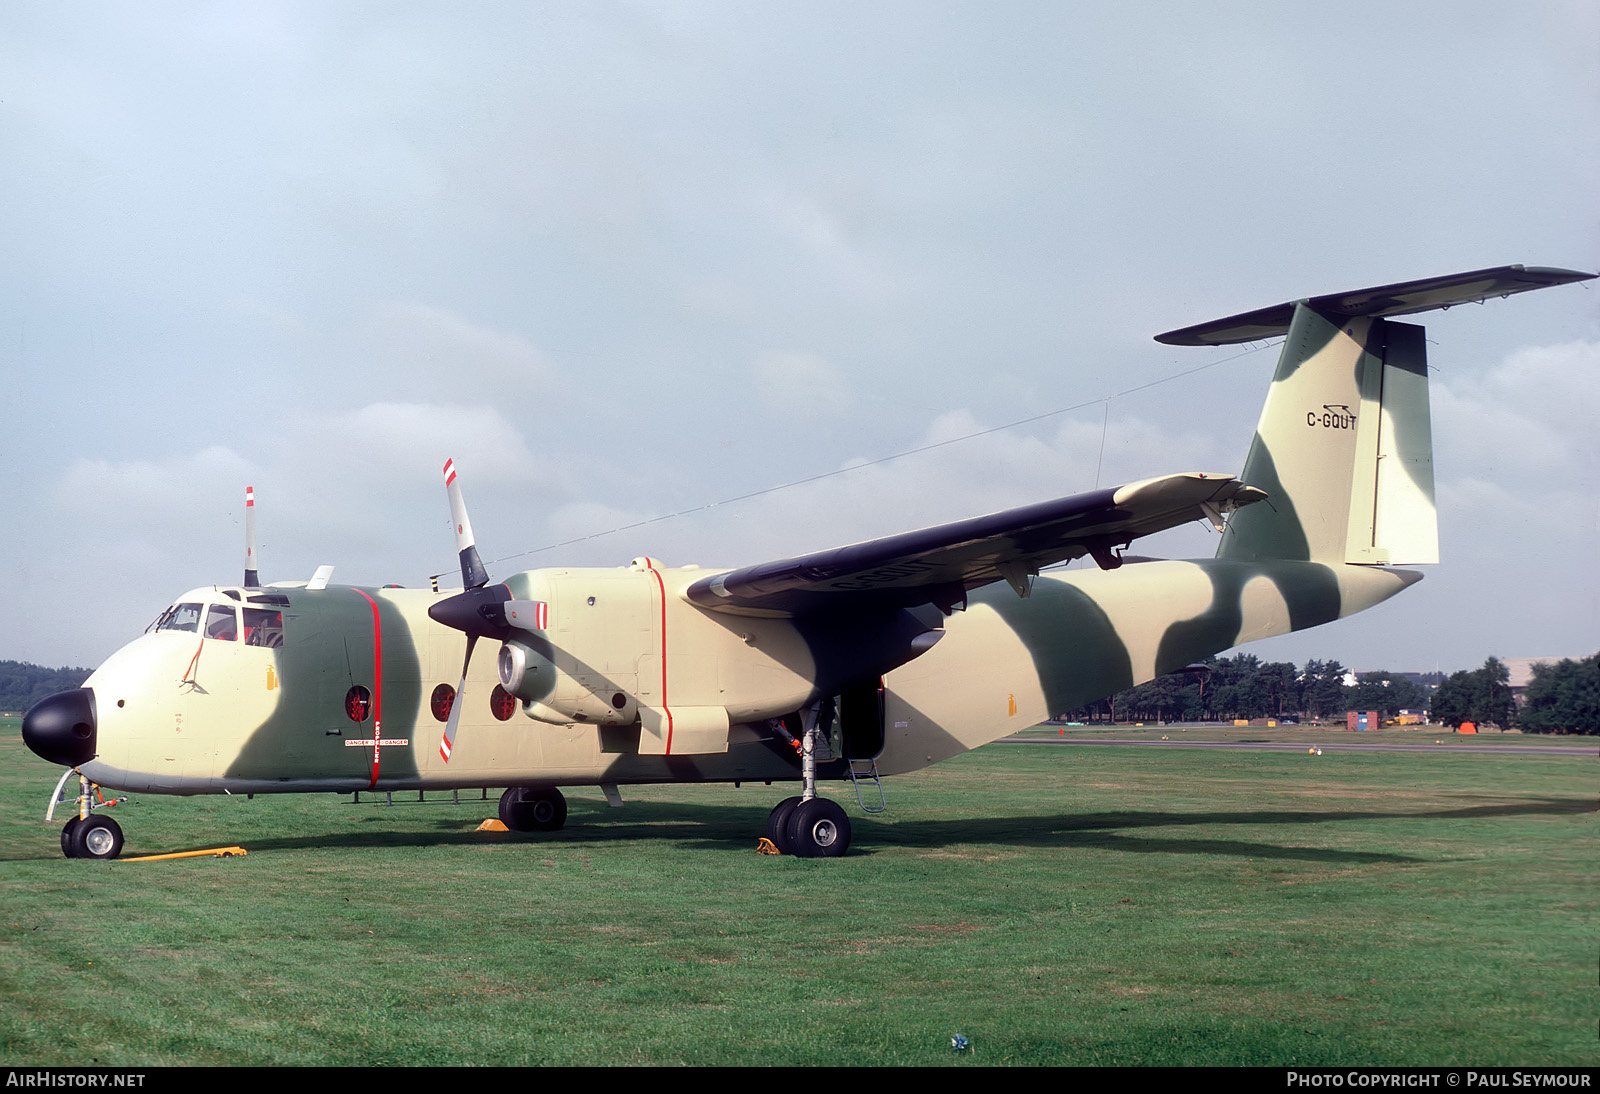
x=808, y=826
x=533, y=809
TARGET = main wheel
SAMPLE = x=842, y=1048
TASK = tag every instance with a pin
x=66, y=835
x=533, y=809
x=97, y=837
x=819, y=829
x=778, y=825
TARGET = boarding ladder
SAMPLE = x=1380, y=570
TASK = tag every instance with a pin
x=866, y=771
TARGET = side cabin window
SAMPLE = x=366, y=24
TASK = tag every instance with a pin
x=180, y=617
x=263, y=627
x=222, y=624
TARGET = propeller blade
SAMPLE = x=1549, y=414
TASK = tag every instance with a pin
x=472, y=572
x=252, y=579
x=448, y=741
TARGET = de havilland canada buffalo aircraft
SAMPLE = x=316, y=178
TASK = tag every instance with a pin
x=872, y=659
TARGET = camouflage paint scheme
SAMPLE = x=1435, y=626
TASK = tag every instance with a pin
x=646, y=674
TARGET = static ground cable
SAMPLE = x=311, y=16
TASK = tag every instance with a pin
x=898, y=455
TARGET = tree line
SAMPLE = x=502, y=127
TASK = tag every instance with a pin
x=1562, y=697
x=22, y=684
x=1244, y=686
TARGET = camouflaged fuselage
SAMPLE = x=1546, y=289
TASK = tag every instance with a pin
x=178, y=714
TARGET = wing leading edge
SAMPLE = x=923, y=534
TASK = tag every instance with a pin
x=940, y=565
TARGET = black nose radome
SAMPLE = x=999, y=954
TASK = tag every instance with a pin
x=61, y=727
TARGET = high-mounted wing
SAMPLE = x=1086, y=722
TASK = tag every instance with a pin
x=1402, y=298
x=940, y=565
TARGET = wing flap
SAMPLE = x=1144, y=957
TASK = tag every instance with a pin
x=939, y=565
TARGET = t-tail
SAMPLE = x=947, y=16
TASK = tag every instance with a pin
x=1344, y=448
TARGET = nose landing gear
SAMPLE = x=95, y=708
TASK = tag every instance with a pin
x=87, y=834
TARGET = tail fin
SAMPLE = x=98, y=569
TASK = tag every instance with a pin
x=1344, y=448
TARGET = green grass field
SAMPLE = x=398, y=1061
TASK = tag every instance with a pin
x=1055, y=905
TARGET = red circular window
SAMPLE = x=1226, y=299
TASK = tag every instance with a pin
x=502, y=703
x=358, y=703
x=444, y=697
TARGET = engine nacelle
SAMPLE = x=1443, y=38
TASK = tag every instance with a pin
x=560, y=698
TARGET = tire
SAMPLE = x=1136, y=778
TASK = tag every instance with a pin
x=819, y=829
x=778, y=825
x=66, y=835
x=97, y=837
x=533, y=809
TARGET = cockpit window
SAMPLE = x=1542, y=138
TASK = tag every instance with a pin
x=180, y=617
x=263, y=628
x=222, y=624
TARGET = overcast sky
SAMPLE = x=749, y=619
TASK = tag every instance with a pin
x=625, y=260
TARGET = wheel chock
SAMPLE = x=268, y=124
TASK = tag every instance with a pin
x=766, y=847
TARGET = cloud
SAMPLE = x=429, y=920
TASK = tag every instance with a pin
x=587, y=250
x=361, y=488
x=800, y=385
x=436, y=353
x=1529, y=420
x=962, y=470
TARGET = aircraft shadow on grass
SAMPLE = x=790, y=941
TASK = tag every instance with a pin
x=727, y=827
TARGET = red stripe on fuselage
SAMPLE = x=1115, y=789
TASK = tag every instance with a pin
x=661, y=587
x=377, y=687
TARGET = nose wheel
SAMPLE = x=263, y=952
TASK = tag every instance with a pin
x=91, y=837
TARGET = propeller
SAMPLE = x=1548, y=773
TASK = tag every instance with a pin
x=480, y=610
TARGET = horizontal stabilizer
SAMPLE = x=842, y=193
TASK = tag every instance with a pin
x=1403, y=298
